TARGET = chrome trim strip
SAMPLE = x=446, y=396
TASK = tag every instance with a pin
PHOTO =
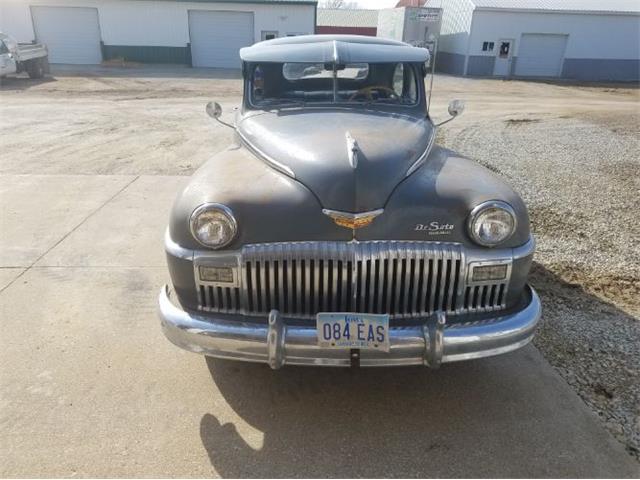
x=418, y=163
x=281, y=167
x=232, y=338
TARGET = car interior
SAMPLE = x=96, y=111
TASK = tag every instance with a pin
x=391, y=83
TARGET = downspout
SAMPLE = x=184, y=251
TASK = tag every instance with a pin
x=315, y=19
x=466, y=57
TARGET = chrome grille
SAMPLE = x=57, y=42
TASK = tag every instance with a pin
x=220, y=299
x=404, y=279
x=484, y=297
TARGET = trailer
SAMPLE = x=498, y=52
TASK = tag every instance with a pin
x=15, y=57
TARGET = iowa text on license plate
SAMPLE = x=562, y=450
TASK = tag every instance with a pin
x=353, y=330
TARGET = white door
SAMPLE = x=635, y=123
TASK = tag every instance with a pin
x=72, y=34
x=541, y=55
x=217, y=37
x=504, y=54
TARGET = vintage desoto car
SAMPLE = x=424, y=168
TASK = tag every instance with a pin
x=335, y=232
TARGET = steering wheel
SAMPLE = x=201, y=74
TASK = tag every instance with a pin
x=368, y=91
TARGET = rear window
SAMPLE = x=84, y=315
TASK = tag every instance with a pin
x=303, y=71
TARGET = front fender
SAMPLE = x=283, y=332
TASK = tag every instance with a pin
x=434, y=203
x=268, y=205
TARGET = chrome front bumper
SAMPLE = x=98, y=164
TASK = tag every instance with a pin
x=278, y=344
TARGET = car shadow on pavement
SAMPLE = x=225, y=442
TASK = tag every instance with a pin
x=506, y=416
x=325, y=422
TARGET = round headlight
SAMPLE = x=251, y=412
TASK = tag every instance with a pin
x=213, y=225
x=491, y=223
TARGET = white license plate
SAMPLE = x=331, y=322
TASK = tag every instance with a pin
x=353, y=330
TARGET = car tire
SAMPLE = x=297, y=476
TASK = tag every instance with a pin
x=36, y=69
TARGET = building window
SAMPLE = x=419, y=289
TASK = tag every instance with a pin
x=269, y=35
x=504, y=49
x=487, y=46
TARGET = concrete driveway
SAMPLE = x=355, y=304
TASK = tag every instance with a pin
x=89, y=386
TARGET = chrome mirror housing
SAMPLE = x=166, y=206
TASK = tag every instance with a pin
x=214, y=110
x=456, y=107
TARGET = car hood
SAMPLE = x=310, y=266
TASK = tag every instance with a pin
x=350, y=160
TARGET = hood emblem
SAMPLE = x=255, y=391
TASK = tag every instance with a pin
x=352, y=150
x=352, y=220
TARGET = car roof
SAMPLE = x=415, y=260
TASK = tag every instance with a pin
x=333, y=49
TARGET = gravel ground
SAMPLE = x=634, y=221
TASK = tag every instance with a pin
x=577, y=168
x=571, y=151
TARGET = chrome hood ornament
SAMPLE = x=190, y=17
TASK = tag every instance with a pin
x=351, y=160
x=352, y=150
x=352, y=220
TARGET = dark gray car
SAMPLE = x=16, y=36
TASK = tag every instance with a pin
x=335, y=232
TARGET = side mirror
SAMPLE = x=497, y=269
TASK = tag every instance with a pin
x=456, y=107
x=214, y=110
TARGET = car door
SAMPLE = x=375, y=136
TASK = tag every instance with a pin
x=7, y=62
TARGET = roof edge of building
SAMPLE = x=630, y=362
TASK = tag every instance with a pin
x=256, y=2
x=550, y=10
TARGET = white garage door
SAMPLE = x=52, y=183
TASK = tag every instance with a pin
x=217, y=36
x=72, y=34
x=541, y=55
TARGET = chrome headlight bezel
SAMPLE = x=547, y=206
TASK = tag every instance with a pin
x=218, y=208
x=484, y=207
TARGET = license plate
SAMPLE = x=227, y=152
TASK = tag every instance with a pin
x=353, y=330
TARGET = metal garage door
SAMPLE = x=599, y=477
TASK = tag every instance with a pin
x=72, y=34
x=541, y=55
x=216, y=37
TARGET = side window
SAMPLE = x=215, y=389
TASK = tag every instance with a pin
x=404, y=83
x=258, y=83
x=398, y=79
x=411, y=94
x=3, y=48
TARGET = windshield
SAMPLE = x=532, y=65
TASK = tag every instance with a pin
x=286, y=84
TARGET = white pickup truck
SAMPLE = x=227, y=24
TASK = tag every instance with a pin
x=32, y=58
